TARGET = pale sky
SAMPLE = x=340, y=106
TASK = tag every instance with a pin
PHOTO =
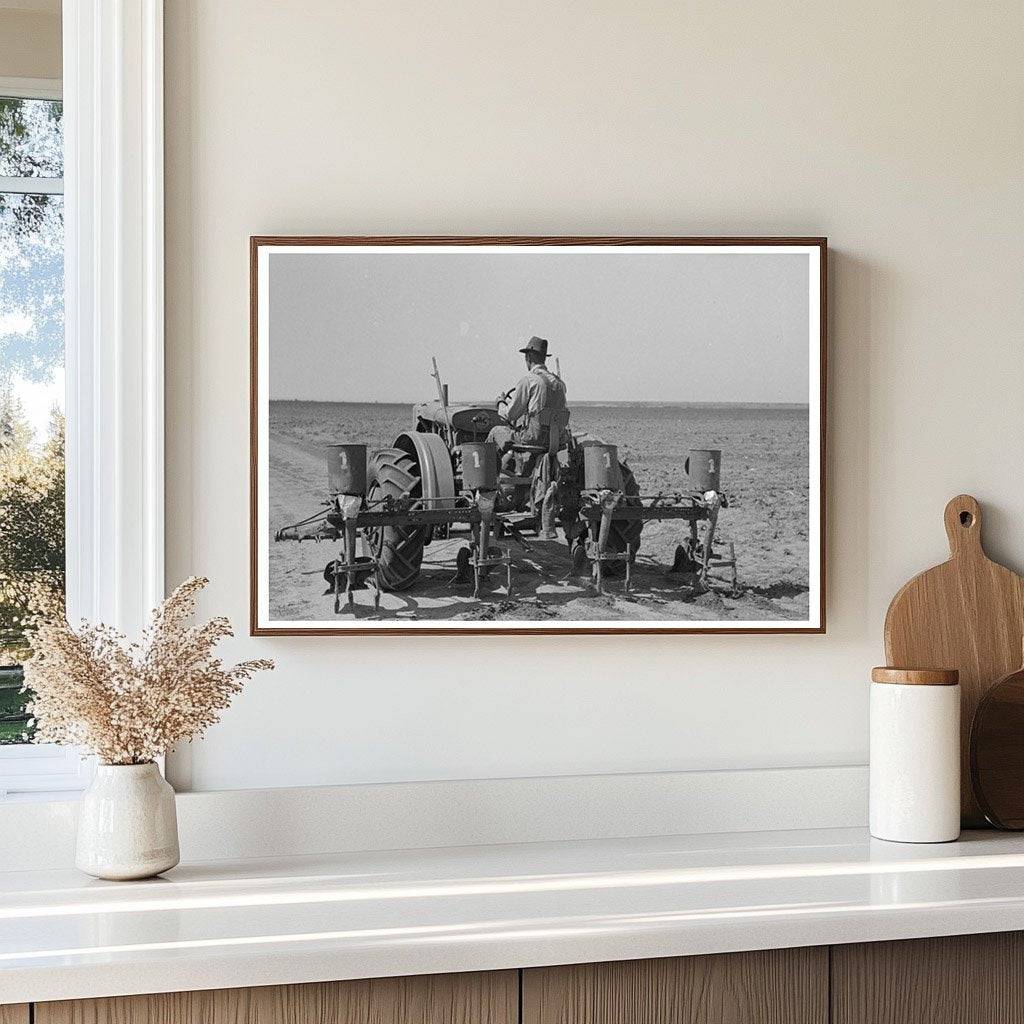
x=627, y=327
x=31, y=270
x=39, y=399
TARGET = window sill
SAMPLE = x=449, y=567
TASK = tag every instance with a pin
x=44, y=771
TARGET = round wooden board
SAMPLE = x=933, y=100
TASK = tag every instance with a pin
x=997, y=753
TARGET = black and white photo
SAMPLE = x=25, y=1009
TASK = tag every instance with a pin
x=557, y=435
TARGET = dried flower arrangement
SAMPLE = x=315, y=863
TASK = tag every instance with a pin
x=129, y=703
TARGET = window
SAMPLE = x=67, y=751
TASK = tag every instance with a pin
x=32, y=548
x=91, y=171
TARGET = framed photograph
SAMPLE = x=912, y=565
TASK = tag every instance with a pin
x=537, y=435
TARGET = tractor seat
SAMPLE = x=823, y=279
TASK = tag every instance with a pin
x=556, y=420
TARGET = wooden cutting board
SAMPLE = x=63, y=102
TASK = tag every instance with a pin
x=967, y=614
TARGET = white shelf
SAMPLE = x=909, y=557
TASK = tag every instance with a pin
x=351, y=915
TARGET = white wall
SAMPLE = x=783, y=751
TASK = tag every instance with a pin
x=895, y=129
x=30, y=40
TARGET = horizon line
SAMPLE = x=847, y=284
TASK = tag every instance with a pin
x=586, y=402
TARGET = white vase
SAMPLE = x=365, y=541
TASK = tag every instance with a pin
x=127, y=825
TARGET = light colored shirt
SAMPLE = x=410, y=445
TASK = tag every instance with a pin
x=539, y=389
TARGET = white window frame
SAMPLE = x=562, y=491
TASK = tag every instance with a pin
x=32, y=88
x=114, y=326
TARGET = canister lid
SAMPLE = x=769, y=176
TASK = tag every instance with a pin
x=916, y=676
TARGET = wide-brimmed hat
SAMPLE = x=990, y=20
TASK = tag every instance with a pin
x=539, y=346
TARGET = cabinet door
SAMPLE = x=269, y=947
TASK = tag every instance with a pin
x=962, y=979
x=490, y=998
x=778, y=986
x=14, y=1013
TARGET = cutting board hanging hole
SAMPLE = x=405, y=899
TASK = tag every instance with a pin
x=963, y=525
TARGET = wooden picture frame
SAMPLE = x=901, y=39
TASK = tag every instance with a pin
x=360, y=618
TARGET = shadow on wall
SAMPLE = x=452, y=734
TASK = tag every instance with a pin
x=854, y=289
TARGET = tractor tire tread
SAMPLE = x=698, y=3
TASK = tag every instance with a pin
x=393, y=472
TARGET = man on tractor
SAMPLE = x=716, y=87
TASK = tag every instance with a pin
x=530, y=406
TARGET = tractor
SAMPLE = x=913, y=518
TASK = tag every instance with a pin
x=443, y=475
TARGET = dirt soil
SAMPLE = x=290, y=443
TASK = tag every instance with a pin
x=764, y=479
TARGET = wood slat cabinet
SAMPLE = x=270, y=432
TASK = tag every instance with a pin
x=775, y=986
x=482, y=998
x=962, y=979
x=970, y=979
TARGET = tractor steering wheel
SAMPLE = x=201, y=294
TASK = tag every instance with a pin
x=502, y=399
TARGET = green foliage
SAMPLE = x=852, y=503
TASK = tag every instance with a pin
x=32, y=551
x=14, y=723
x=31, y=138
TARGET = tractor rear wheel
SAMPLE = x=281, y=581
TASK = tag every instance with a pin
x=398, y=549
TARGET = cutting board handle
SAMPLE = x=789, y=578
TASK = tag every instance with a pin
x=963, y=526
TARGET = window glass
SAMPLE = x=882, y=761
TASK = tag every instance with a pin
x=31, y=138
x=31, y=388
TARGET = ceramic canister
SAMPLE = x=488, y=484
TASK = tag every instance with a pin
x=915, y=755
